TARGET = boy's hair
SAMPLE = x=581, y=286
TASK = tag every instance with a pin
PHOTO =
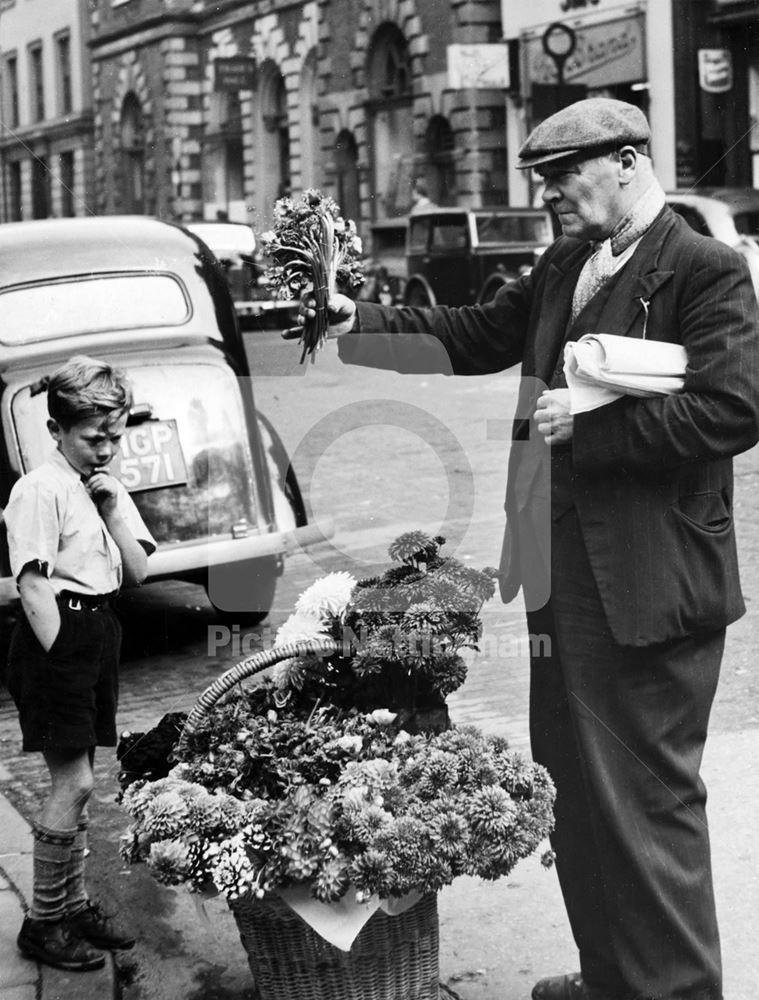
x=85, y=387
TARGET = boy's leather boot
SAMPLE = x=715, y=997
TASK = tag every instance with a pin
x=55, y=943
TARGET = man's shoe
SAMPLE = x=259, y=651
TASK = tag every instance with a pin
x=53, y=943
x=97, y=927
x=569, y=987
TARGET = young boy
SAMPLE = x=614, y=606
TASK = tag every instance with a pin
x=74, y=537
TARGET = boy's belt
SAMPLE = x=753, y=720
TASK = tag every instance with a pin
x=86, y=602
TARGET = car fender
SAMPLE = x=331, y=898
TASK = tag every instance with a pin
x=491, y=285
x=287, y=499
x=418, y=281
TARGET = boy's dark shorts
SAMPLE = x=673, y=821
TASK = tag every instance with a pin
x=67, y=697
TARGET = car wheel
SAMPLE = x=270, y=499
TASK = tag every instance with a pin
x=491, y=286
x=418, y=296
x=242, y=593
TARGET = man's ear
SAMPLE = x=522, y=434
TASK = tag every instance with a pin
x=55, y=429
x=628, y=161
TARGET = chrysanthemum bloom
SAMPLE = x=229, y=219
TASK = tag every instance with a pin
x=166, y=815
x=412, y=545
x=327, y=596
x=170, y=861
x=300, y=627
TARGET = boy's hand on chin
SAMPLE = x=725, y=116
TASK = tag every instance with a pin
x=102, y=487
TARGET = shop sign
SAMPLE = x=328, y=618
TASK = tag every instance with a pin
x=234, y=73
x=604, y=54
x=483, y=65
x=715, y=70
x=518, y=18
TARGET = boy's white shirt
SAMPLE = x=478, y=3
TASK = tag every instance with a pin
x=53, y=521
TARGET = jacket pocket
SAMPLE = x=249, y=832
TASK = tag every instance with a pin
x=704, y=511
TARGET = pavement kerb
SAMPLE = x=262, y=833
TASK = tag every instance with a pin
x=20, y=978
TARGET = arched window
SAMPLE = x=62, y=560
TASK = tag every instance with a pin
x=132, y=136
x=389, y=73
x=391, y=145
x=275, y=180
x=346, y=167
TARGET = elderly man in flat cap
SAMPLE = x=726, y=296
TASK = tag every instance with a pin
x=620, y=533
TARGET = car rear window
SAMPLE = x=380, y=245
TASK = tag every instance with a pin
x=89, y=305
x=513, y=229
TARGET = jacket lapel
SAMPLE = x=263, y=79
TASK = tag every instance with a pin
x=556, y=308
x=619, y=307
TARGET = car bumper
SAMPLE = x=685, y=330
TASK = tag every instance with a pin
x=188, y=558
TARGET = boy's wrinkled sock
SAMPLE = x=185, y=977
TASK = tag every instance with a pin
x=51, y=864
x=76, y=893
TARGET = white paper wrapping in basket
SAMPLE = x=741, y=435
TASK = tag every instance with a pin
x=341, y=922
x=601, y=367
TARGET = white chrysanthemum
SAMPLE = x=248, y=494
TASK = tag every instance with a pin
x=230, y=866
x=300, y=627
x=328, y=595
x=382, y=716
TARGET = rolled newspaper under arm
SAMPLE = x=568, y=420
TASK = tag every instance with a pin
x=601, y=367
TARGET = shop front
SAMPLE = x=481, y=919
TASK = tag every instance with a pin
x=568, y=50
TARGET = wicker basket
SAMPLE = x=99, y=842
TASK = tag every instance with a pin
x=393, y=957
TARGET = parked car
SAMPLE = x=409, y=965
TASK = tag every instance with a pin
x=207, y=471
x=460, y=256
x=728, y=214
x=234, y=245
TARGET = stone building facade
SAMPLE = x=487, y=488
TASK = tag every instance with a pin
x=46, y=128
x=214, y=110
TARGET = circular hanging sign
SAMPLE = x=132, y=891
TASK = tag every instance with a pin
x=559, y=40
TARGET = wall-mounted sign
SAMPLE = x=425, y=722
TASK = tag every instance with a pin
x=480, y=65
x=234, y=73
x=604, y=54
x=535, y=15
x=715, y=70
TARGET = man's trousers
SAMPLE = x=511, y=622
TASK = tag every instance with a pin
x=621, y=730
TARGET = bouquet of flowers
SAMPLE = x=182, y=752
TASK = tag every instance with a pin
x=312, y=247
x=321, y=774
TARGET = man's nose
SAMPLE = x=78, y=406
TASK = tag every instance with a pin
x=550, y=192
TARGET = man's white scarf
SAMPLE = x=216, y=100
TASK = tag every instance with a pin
x=601, y=264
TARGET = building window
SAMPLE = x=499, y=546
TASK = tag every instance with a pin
x=439, y=170
x=67, y=183
x=36, y=83
x=276, y=138
x=40, y=188
x=223, y=159
x=15, y=210
x=63, y=59
x=310, y=174
x=132, y=155
x=11, y=90
x=346, y=168
x=391, y=127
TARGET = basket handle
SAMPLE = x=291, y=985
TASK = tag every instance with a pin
x=247, y=668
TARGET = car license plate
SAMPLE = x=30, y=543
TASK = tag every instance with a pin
x=151, y=456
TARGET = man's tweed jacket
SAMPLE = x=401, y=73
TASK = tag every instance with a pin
x=652, y=478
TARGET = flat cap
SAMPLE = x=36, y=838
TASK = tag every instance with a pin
x=583, y=127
